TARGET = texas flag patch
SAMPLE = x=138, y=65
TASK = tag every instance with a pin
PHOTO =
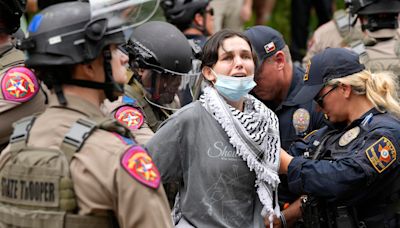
x=140, y=166
x=381, y=154
x=270, y=47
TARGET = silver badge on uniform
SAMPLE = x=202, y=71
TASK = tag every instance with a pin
x=301, y=120
x=349, y=136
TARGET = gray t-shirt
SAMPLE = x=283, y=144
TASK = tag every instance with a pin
x=217, y=188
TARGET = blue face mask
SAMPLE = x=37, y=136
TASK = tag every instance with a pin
x=233, y=88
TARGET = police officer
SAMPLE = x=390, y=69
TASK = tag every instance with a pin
x=151, y=94
x=278, y=81
x=379, y=50
x=352, y=179
x=20, y=93
x=159, y=56
x=338, y=32
x=195, y=18
x=71, y=166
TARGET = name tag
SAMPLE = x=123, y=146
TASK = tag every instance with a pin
x=35, y=191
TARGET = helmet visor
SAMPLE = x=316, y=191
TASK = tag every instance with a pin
x=123, y=14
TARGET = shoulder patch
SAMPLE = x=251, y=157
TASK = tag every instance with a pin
x=140, y=166
x=131, y=117
x=19, y=84
x=381, y=154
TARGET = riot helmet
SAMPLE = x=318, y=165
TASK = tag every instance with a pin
x=10, y=13
x=71, y=33
x=181, y=12
x=161, y=48
x=376, y=14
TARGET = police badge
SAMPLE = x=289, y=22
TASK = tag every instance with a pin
x=301, y=121
x=349, y=136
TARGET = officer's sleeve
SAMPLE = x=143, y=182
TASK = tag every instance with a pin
x=165, y=147
x=344, y=177
x=141, y=199
x=109, y=175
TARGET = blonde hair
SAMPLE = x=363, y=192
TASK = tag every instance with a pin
x=380, y=88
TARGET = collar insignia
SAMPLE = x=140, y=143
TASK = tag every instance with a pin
x=306, y=77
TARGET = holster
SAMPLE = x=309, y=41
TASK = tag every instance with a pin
x=344, y=218
x=311, y=212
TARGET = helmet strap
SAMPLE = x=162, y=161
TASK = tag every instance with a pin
x=205, y=32
x=60, y=94
x=203, y=28
x=111, y=89
x=155, y=93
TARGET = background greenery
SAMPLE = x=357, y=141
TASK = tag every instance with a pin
x=280, y=19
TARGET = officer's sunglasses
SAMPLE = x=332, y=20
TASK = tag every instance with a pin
x=320, y=99
x=210, y=11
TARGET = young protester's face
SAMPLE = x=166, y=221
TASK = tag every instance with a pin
x=234, y=59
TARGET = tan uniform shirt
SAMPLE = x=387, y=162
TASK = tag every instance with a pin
x=383, y=56
x=11, y=111
x=328, y=35
x=100, y=182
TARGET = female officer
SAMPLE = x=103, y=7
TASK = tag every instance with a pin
x=353, y=178
x=213, y=145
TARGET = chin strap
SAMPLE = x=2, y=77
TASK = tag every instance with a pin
x=111, y=89
x=202, y=29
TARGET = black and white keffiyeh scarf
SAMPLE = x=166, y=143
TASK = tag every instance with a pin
x=255, y=135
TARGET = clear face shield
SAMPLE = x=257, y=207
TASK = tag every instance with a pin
x=164, y=86
x=161, y=83
x=123, y=15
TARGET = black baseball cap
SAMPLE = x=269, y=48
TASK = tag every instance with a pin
x=327, y=65
x=266, y=41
